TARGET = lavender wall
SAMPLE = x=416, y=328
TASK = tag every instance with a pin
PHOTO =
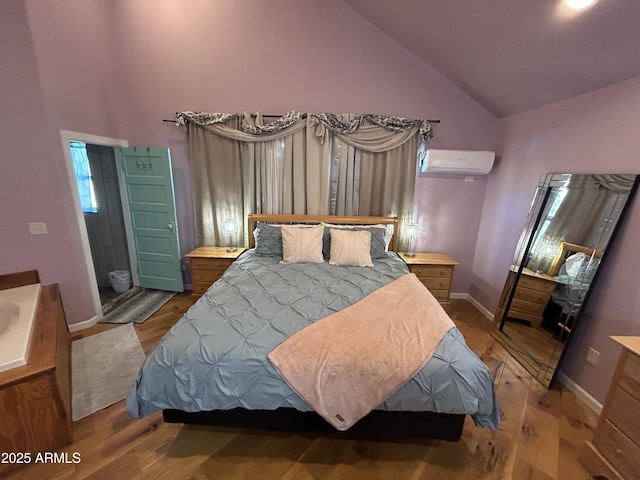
x=595, y=132
x=31, y=180
x=116, y=68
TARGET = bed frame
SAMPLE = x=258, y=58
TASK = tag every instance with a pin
x=390, y=222
x=565, y=250
x=377, y=424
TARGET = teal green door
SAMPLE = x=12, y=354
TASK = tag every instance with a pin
x=149, y=184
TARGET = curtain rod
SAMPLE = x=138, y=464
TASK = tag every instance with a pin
x=278, y=116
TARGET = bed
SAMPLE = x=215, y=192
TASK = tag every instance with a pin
x=215, y=365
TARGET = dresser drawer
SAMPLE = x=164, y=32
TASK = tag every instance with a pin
x=424, y=271
x=630, y=377
x=621, y=414
x=534, y=283
x=619, y=450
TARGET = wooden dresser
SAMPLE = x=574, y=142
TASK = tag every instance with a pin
x=435, y=270
x=208, y=264
x=531, y=296
x=614, y=452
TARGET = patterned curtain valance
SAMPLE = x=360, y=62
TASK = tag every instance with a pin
x=346, y=126
x=335, y=123
x=208, y=119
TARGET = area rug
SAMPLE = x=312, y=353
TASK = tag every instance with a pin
x=103, y=369
x=138, y=308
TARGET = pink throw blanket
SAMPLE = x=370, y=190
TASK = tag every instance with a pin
x=345, y=365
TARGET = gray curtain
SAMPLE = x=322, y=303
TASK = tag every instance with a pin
x=303, y=164
x=387, y=181
x=373, y=169
x=215, y=165
x=344, y=186
x=239, y=166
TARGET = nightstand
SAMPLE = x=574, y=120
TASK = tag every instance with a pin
x=435, y=270
x=532, y=294
x=208, y=264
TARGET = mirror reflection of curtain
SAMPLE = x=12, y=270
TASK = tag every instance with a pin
x=304, y=164
x=575, y=221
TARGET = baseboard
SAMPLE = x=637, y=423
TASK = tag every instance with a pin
x=75, y=327
x=459, y=296
x=580, y=392
x=474, y=302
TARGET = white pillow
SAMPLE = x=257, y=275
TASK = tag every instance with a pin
x=573, y=264
x=387, y=233
x=302, y=244
x=350, y=248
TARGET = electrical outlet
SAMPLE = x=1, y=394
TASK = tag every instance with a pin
x=469, y=179
x=38, y=228
x=592, y=356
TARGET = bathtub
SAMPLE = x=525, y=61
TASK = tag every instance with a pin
x=17, y=312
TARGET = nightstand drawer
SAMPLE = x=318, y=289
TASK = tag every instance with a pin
x=532, y=308
x=441, y=295
x=218, y=264
x=536, y=284
x=206, y=275
x=200, y=288
x=435, y=283
x=619, y=450
x=421, y=271
x=534, y=296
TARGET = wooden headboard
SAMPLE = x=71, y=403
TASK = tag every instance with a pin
x=390, y=222
x=566, y=249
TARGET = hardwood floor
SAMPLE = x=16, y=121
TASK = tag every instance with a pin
x=539, y=437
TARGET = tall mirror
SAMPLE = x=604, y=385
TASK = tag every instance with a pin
x=571, y=225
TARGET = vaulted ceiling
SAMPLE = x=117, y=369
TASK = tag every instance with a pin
x=516, y=55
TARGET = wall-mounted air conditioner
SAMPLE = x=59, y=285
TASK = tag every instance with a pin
x=470, y=162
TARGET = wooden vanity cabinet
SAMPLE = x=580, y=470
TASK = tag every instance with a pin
x=35, y=399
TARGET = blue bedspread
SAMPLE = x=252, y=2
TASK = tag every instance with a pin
x=215, y=357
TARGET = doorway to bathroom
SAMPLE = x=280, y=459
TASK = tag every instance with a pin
x=139, y=180
x=102, y=209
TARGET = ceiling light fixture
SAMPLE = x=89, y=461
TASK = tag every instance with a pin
x=580, y=4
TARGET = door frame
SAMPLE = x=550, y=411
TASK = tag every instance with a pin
x=67, y=137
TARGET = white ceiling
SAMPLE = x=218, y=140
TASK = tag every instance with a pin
x=515, y=55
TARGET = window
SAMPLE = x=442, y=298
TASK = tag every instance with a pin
x=83, y=177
